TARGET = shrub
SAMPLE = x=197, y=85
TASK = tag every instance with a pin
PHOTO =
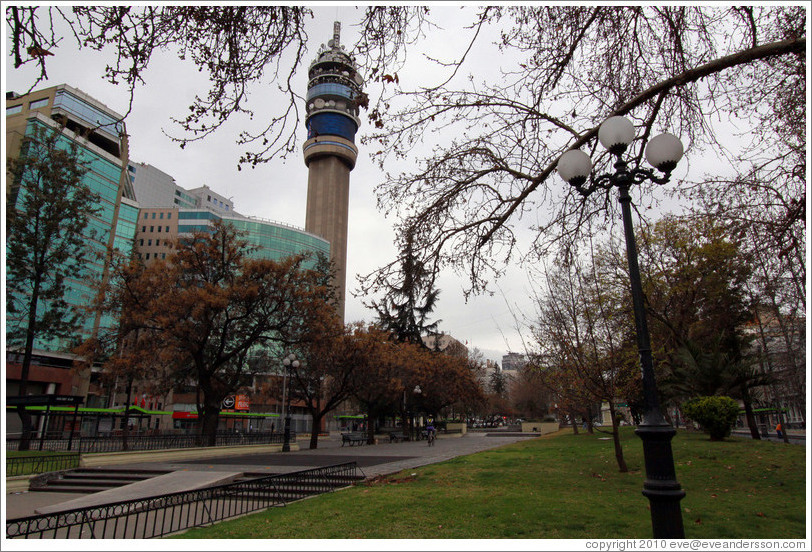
x=715, y=414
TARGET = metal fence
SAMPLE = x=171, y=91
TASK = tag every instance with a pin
x=140, y=441
x=159, y=516
x=41, y=463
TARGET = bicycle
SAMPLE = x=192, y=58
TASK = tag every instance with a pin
x=430, y=438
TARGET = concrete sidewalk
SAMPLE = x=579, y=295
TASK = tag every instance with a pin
x=374, y=460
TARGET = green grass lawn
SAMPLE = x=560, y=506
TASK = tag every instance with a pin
x=558, y=487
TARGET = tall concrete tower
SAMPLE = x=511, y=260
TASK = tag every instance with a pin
x=333, y=99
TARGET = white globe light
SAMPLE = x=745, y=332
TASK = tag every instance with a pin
x=616, y=133
x=574, y=166
x=664, y=152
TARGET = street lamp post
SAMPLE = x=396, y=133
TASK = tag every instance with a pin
x=289, y=361
x=663, y=152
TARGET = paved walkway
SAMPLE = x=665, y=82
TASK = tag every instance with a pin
x=374, y=460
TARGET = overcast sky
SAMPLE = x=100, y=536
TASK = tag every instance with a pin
x=277, y=190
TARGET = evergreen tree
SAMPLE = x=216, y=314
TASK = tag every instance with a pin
x=409, y=300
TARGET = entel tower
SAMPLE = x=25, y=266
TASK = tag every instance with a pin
x=333, y=97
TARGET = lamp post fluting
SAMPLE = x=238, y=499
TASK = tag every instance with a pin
x=663, y=152
x=288, y=362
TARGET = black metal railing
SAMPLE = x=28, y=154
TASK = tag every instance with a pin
x=159, y=516
x=139, y=441
x=40, y=463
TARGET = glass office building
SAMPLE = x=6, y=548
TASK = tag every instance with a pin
x=269, y=240
x=102, y=143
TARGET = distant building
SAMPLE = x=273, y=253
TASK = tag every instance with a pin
x=445, y=343
x=513, y=362
x=779, y=345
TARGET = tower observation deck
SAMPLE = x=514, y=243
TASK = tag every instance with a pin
x=334, y=97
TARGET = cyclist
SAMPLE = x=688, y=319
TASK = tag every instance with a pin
x=430, y=433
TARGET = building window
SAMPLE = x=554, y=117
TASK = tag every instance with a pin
x=141, y=242
x=167, y=229
x=143, y=228
x=146, y=215
x=14, y=109
x=169, y=215
x=159, y=229
x=36, y=104
x=161, y=215
x=147, y=256
x=153, y=215
x=149, y=242
x=152, y=229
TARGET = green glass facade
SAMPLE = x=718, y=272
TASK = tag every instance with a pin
x=268, y=240
x=114, y=219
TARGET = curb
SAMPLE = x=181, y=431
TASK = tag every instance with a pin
x=128, y=457
x=18, y=483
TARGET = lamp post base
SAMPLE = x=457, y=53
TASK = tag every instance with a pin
x=661, y=486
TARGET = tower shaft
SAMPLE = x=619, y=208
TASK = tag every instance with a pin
x=328, y=200
x=334, y=97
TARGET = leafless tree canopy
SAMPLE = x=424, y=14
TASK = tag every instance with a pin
x=687, y=70
x=495, y=138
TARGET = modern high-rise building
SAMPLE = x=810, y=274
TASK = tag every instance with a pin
x=334, y=96
x=102, y=140
x=169, y=212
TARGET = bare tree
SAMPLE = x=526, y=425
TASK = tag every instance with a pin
x=497, y=138
x=584, y=346
x=238, y=47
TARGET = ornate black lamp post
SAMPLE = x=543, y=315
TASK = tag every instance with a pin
x=663, y=152
x=289, y=361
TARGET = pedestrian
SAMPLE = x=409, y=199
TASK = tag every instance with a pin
x=778, y=430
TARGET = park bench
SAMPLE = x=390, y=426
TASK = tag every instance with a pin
x=395, y=437
x=353, y=438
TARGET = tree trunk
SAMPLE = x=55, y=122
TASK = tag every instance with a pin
x=211, y=416
x=750, y=417
x=574, y=421
x=621, y=462
x=125, y=430
x=314, y=432
x=30, y=333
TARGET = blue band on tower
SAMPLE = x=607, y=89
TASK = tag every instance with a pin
x=333, y=124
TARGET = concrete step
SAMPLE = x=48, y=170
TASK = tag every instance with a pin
x=55, y=488
x=119, y=471
x=109, y=476
x=93, y=480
